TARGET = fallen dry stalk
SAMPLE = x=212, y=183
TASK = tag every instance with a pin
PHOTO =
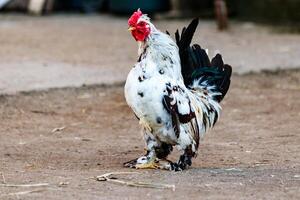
x=3, y=178
x=45, y=185
x=58, y=129
x=106, y=177
x=25, y=185
x=24, y=192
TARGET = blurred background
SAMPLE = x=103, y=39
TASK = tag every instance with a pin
x=272, y=11
x=76, y=42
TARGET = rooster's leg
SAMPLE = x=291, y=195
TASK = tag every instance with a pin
x=148, y=161
x=185, y=160
x=163, y=150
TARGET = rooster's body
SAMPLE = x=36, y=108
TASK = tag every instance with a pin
x=174, y=90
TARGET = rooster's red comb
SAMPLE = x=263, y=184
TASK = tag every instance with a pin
x=135, y=17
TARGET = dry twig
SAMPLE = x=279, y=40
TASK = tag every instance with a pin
x=106, y=177
x=58, y=129
x=25, y=185
x=23, y=192
x=3, y=178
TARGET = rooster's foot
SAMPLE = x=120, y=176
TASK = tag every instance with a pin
x=172, y=166
x=143, y=162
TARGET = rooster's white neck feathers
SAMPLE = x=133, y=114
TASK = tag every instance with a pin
x=160, y=48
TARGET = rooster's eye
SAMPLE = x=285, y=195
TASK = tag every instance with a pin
x=142, y=24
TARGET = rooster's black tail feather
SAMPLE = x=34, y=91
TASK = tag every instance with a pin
x=195, y=64
x=215, y=77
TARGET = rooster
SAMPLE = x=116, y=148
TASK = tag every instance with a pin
x=174, y=91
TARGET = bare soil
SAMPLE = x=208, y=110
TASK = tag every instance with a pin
x=252, y=153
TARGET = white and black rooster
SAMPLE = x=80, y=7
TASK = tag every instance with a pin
x=174, y=90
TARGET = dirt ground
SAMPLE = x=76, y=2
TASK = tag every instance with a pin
x=252, y=153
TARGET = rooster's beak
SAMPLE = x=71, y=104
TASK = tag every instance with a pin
x=131, y=28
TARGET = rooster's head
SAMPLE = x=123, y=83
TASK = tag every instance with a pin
x=139, y=25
